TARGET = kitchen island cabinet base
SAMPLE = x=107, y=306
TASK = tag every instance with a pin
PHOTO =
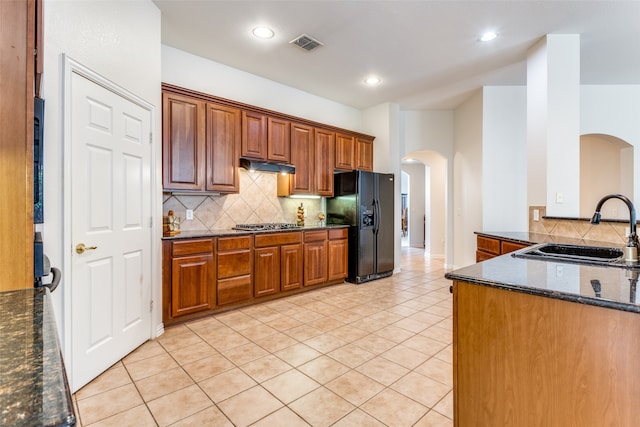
x=526, y=360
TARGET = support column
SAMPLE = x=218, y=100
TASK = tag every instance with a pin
x=553, y=124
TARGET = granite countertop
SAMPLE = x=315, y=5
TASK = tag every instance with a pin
x=33, y=384
x=560, y=280
x=534, y=238
x=228, y=232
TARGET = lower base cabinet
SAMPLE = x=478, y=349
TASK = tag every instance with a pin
x=203, y=275
x=192, y=277
x=235, y=272
x=315, y=257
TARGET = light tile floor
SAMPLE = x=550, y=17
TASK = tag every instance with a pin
x=375, y=354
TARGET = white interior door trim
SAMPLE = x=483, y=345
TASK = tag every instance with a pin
x=71, y=66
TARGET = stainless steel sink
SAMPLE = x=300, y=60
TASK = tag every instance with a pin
x=597, y=255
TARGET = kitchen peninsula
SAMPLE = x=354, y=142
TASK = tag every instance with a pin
x=540, y=343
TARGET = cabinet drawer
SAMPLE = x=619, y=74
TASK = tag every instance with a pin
x=232, y=264
x=231, y=243
x=489, y=245
x=192, y=247
x=234, y=289
x=340, y=233
x=277, y=239
x=483, y=256
x=510, y=247
x=315, y=236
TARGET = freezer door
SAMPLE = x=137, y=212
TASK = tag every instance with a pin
x=385, y=222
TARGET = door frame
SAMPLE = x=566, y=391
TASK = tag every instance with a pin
x=70, y=67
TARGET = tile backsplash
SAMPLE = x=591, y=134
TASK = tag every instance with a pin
x=257, y=202
x=610, y=232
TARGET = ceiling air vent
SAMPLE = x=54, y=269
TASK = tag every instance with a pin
x=306, y=42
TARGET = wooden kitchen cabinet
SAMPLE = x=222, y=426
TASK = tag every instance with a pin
x=528, y=360
x=315, y=257
x=490, y=247
x=324, y=161
x=188, y=277
x=344, y=152
x=338, y=254
x=254, y=135
x=313, y=154
x=278, y=262
x=364, y=154
x=302, y=154
x=200, y=145
x=223, y=148
x=235, y=269
x=183, y=142
x=278, y=140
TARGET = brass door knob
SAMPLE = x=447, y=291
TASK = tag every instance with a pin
x=82, y=248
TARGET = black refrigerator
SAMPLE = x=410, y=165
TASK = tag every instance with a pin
x=364, y=201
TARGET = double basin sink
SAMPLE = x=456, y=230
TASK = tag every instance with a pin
x=594, y=255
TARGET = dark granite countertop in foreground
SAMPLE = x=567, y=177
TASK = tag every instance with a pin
x=33, y=385
x=229, y=232
x=560, y=280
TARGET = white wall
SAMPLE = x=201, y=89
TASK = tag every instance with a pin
x=194, y=72
x=504, y=159
x=613, y=110
x=428, y=137
x=467, y=179
x=416, y=172
x=120, y=41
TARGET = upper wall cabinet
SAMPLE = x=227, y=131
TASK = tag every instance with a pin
x=364, y=154
x=223, y=148
x=183, y=142
x=203, y=138
x=200, y=145
x=265, y=137
x=345, y=152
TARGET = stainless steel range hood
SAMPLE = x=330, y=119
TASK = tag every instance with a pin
x=257, y=165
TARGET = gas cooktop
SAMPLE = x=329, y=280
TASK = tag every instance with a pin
x=266, y=226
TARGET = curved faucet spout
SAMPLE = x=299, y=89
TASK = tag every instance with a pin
x=632, y=253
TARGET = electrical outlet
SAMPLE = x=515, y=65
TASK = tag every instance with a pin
x=559, y=197
x=189, y=214
x=559, y=271
x=536, y=214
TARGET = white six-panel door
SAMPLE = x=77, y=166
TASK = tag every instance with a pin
x=111, y=217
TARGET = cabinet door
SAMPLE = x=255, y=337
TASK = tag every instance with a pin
x=338, y=259
x=302, y=154
x=344, y=152
x=254, y=135
x=315, y=263
x=291, y=273
x=266, y=277
x=183, y=142
x=324, y=161
x=364, y=154
x=279, y=140
x=223, y=148
x=191, y=284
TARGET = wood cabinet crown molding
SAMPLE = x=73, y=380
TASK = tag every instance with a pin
x=253, y=108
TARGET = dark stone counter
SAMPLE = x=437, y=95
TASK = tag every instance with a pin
x=615, y=289
x=229, y=232
x=535, y=238
x=33, y=384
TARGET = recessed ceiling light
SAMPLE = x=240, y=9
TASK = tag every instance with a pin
x=488, y=36
x=372, y=81
x=263, y=32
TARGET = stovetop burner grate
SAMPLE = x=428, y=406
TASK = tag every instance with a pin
x=266, y=226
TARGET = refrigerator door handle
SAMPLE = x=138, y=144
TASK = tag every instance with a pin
x=376, y=204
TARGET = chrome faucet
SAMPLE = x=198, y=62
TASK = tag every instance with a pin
x=631, y=250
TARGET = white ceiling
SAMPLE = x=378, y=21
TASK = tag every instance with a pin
x=426, y=52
